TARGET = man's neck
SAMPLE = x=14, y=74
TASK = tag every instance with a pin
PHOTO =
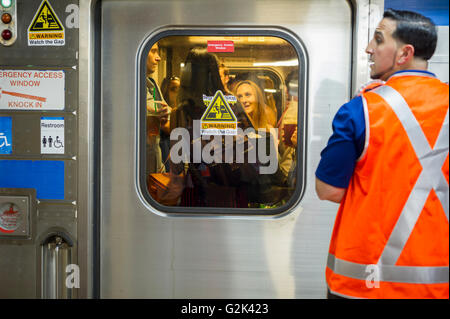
x=415, y=64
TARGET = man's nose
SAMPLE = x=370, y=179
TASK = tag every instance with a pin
x=369, y=49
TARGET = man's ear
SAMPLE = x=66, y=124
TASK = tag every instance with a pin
x=406, y=54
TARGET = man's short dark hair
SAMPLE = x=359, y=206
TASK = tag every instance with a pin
x=415, y=29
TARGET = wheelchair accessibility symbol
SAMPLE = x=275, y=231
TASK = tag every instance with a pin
x=3, y=140
x=58, y=143
x=5, y=135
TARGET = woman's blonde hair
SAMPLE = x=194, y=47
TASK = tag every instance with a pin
x=259, y=117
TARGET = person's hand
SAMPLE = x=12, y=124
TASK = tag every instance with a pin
x=294, y=137
x=165, y=112
x=158, y=108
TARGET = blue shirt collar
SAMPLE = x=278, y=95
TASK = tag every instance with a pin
x=413, y=72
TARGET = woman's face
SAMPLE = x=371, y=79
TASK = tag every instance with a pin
x=247, y=97
x=174, y=86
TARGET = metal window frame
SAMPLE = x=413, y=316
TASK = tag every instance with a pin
x=302, y=125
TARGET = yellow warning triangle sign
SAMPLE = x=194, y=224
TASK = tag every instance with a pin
x=218, y=110
x=45, y=19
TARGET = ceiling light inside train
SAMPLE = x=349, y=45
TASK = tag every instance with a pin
x=277, y=63
x=6, y=3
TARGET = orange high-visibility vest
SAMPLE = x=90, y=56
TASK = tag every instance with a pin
x=391, y=234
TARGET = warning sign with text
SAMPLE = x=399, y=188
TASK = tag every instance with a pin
x=218, y=118
x=46, y=29
x=34, y=90
x=220, y=46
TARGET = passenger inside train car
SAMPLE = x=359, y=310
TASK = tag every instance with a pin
x=169, y=89
x=271, y=107
x=287, y=126
x=205, y=184
x=226, y=147
x=157, y=113
x=250, y=96
x=225, y=77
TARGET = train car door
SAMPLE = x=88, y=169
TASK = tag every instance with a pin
x=186, y=251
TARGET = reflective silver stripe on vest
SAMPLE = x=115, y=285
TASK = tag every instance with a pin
x=389, y=273
x=431, y=177
x=366, y=120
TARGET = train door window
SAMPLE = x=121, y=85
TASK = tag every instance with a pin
x=223, y=122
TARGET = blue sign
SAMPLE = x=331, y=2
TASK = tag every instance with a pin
x=47, y=177
x=436, y=10
x=5, y=135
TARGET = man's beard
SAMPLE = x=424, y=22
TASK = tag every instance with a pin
x=378, y=75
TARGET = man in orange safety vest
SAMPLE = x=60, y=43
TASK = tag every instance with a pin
x=387, y=164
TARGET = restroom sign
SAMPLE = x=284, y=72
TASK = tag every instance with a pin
x=52, y=135
x=32, y=90
x=46, y=29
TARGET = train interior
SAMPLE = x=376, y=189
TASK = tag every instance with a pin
x=270, y=62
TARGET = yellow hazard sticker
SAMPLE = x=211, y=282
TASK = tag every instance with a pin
x=218, y=118
x=46, y=29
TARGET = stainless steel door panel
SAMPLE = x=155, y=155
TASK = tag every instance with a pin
x=438, y=63
x=147, y=255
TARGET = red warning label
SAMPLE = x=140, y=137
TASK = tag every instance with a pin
x=9, y=218
x=220, y=46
